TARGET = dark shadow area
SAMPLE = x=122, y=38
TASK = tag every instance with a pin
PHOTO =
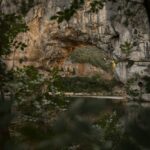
x=147, y=6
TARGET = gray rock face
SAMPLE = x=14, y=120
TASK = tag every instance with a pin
x=49, y=43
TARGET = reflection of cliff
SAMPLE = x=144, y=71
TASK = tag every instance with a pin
x=50, y=43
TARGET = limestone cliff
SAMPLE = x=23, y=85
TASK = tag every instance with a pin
x=120, y=29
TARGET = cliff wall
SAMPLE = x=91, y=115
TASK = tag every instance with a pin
x=120, y=29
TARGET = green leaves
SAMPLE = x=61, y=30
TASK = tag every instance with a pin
x=39, y=90
x=67, y=13
x=126, y=47
x=19, y=45
x=96, y=5
x=10, y=26
x=87, y=84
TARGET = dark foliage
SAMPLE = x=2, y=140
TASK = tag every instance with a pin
x=67, y=13
x=86, y=84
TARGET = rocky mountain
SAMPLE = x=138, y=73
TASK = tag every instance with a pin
x=120, y=31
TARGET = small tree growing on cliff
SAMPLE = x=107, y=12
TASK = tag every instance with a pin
x=126, y=48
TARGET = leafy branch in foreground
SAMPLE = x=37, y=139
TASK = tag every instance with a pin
x=39, y=90
x=96, y=5
x=10, y=26
x=67, y=13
